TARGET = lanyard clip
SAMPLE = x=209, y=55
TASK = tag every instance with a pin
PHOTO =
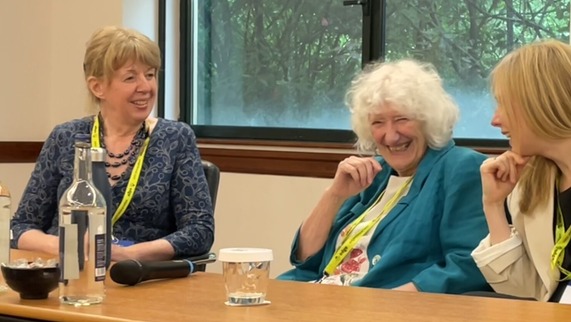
x=324, y=276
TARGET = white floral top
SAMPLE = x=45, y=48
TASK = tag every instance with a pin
x=356, y=265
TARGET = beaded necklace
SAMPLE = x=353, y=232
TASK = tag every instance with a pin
x=129, y=156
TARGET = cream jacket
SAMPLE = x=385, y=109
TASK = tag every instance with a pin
x=521, y=265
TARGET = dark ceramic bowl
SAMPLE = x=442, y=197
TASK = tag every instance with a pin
x=32, y=283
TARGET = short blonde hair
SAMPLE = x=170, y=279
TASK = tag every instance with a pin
x=534, y=83
x=110, y=48
x=414, y=89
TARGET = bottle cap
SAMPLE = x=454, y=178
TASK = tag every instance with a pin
x=82, y=140
x=82, y=137
x=98, y=154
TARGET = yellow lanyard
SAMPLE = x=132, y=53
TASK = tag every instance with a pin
x=351, y=239
x=562, y=238
x=135, y=174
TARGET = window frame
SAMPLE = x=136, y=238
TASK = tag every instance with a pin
x=247, y=149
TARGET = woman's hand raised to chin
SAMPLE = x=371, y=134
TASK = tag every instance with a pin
x=500, y=175
x=353, y=175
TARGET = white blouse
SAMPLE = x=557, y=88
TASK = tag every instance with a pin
x=356, y=264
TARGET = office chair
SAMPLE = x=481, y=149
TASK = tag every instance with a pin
x=212, y=174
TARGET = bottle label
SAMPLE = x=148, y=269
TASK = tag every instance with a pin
x=97, y=225
x=73, y=244
x=5, y=231
x=100, y=250
x=69, y=259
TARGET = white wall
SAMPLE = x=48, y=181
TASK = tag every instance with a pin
x=141, y=15
x=170, y=67
x=72, y=23
x=25, y=88
x=263, y=211
x=44, y=42
x=25, y=59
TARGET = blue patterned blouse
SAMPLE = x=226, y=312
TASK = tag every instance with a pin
x=172, y=199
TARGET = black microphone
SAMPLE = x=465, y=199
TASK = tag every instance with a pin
x=132, y=272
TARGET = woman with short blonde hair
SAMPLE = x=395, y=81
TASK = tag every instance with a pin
x=162, y=207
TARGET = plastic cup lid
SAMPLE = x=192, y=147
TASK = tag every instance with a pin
x=238, y=255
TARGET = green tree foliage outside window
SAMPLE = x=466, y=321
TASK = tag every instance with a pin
x=288, y=63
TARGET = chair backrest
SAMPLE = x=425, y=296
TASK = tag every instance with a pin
x=212, y=174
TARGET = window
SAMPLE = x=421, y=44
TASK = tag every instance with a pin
x=465, y=39
x=261, y=68
x=279, y=69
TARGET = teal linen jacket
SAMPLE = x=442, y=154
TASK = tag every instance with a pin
x=427, y=237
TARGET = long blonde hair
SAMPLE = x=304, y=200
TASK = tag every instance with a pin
x=534, y=83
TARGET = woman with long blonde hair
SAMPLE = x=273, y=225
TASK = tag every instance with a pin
x=527, y=190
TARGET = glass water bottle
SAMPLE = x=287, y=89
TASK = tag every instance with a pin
x=82, y=234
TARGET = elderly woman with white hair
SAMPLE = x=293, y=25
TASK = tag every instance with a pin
x=409, y=217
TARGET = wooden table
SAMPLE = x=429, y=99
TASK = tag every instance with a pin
x=200, y=297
